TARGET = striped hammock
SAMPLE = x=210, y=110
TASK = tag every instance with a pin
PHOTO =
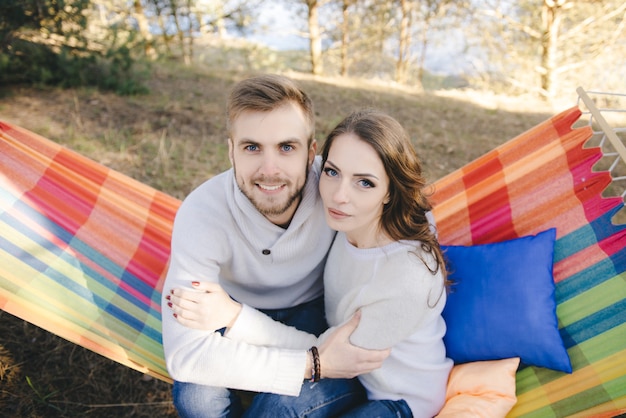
x=84, y=251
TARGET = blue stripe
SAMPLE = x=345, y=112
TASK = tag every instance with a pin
x=84, y=249
x=586, y=279
x=594, y=324
x=78, y=290
x=587, y=235
x=88, y=252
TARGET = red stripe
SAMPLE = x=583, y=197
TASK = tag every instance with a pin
x=65, y=198
x=490, y=214
x=149, y=262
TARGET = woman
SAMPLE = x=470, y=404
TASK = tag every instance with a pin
x=385, y=262
x=384, y=265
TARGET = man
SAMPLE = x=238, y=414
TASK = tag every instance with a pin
x=258, y=232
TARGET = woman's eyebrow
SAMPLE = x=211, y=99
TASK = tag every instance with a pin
x=334, y=167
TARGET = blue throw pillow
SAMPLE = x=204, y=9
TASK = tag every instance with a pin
x=502, y=303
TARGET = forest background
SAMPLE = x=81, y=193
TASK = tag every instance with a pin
x=140, y=86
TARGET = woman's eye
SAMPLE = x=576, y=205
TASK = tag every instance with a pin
x=330, y=172
x=366, y=183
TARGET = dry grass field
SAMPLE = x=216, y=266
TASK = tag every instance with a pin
x=173, y=138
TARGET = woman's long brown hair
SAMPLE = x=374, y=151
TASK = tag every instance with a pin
x=404, y=216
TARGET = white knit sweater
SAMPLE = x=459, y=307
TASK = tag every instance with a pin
x=401, y=304
x=219, y=236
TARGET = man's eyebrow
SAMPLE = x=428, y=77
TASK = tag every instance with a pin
x=247, y=141
x=288, y=141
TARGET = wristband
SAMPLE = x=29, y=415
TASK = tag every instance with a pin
x=316, y=374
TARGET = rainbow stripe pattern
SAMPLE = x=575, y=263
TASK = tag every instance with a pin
x=543, y=179
x=84, y=251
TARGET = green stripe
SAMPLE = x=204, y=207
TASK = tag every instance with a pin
x=588, y=352
x=593, y=300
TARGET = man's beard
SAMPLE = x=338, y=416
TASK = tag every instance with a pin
x=273, y=210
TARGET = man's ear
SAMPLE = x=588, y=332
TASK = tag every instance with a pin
x=230, y=150
x=312, y=151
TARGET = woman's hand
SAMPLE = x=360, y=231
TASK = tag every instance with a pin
x=208, y=307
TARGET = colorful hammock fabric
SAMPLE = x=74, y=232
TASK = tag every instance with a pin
x=84, y=250
x=539, y=180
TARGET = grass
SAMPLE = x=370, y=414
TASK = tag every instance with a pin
x=173, y=138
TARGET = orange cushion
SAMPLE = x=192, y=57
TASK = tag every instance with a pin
x=483, y=389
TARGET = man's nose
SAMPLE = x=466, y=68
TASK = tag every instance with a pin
x=269, y=165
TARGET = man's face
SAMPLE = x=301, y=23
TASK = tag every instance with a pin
x=271, y=159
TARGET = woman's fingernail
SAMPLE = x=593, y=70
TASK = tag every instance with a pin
x=168, y=297
x=195, y=283
x=175, y=315
x=169, y=304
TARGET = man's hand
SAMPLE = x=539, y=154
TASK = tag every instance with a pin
x=340, y=359
x=208, y=307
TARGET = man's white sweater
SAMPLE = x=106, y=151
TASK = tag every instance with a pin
x=219, y=236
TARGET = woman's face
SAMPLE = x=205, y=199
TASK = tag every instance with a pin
x=354, y=187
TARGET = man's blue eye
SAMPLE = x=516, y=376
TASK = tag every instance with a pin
x=287, y=148
x=251, y=148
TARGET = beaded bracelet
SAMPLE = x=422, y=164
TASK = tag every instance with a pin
x=316, y=373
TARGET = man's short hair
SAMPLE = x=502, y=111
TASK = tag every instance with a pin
x=265, y=93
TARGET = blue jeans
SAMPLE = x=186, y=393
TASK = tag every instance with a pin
x=326, y=398
x=381, y=409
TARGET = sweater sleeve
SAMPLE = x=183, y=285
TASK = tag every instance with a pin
x=254, y=327
x=205, y=357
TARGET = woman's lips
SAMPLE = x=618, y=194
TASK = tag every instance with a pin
x=337, y=214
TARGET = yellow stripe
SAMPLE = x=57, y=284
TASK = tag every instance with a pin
x=604, y=370
x=605, y=410
x=43, y=302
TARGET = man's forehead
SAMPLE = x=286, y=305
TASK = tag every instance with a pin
x=284, y=125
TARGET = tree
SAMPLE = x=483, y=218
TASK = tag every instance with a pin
x=345, y=35
x=404, y=41
x=38, y=36
x=315, y=37
x=362, y=35
x=533, y=44
x=429, y=14
x=144, y=28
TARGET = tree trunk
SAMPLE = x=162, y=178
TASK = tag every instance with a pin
x=404, y=53
x=144, y=29
x=344, y=38
x=550, y=25
x=315, y=39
